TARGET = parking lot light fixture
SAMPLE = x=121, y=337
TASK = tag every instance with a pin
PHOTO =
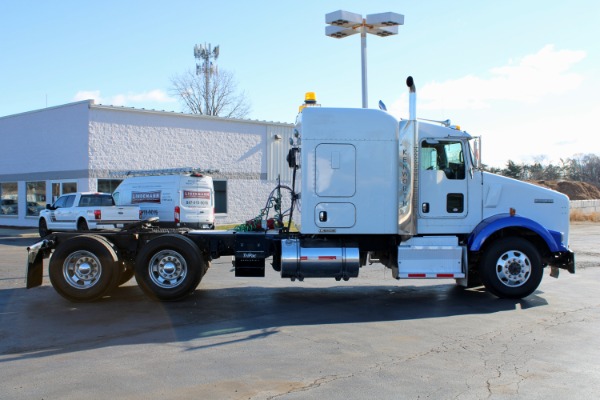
x=344, y=23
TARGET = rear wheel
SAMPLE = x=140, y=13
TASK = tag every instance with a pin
x=511, y=268
x=169, y=267
x=82, y=225
x=84, y=268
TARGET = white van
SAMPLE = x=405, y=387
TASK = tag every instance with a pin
x=183, y=200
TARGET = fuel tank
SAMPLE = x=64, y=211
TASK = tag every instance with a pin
x=317, y=259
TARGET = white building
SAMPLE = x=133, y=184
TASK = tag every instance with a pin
x=86, y=147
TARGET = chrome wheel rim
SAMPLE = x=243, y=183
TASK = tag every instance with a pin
x=167, y=269
x=513, y=268
x=82, y=269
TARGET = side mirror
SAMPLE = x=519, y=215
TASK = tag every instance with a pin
x=292, y=157
x=477, y=152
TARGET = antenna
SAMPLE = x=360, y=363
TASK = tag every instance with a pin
x=205, y=53
x=445, y=123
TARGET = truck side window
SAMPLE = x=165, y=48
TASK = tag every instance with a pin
x=443, y=156
x=456, y=160
x=428, y=157
x=70, y=201
x=60, y=202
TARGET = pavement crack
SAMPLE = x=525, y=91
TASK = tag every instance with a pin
x=312, y=385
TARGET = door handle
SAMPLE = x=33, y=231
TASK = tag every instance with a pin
x=323, y=216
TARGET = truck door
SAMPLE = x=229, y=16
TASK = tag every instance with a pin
x=63, y=215
x=442, y=179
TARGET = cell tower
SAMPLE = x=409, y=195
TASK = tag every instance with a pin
x=205, y=53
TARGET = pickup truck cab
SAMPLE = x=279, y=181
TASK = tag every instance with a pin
x=85, y=211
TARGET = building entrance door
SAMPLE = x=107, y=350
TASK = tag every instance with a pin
x=59, y=188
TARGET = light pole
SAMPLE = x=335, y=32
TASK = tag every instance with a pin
x=344, y=23
x=205, y=53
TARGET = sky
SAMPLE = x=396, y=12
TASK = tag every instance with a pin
x=523, y=75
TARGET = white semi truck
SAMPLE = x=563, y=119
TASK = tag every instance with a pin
x=408, y=194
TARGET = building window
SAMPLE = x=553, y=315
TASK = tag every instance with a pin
x=69, y=187
x=36, y=198
x=9, y=198
x=60, y=188
x=108, y=185
x=220, y=196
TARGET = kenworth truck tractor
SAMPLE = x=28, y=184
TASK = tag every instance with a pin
x=408, y=194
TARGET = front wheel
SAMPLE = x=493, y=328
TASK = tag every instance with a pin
x=43, y=228
x=169, y=267
x=511, y=268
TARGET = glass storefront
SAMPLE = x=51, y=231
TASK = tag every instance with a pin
x=60, y=188
x=36, y=198
x=9, y=199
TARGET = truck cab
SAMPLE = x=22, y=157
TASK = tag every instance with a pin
x=369, y=179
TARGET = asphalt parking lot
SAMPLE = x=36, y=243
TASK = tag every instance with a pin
x=268, y=338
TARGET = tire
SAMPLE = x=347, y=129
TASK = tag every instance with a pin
x=84, y=268
x=82, y=225
x=511, y=268
x=43, y=228
x=169, y=267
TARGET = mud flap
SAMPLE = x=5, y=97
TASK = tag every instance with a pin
x=35, y=263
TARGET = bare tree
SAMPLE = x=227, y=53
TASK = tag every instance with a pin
x=217, y=97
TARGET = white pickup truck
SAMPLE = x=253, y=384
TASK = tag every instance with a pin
x=85, y=211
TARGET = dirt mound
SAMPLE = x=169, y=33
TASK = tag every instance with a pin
x=575, y=190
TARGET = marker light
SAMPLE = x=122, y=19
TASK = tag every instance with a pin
x=310, y=100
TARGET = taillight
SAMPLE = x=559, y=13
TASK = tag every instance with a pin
x=97, y=214
x=140, y=214
x=177, y=214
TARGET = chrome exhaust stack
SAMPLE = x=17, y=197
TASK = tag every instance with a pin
x=412, y=98
x=408, y=160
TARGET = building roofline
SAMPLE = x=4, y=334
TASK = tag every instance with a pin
x=187, y=115
x=89, y=102
x=92, y=105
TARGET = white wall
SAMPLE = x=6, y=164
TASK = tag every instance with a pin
x=586, y=206
x=49, y=142
x=43, y=145
x=82, y=142
x=124, y=140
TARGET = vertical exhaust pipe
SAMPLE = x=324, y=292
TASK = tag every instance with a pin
x=412, y=98
x=408, y=168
